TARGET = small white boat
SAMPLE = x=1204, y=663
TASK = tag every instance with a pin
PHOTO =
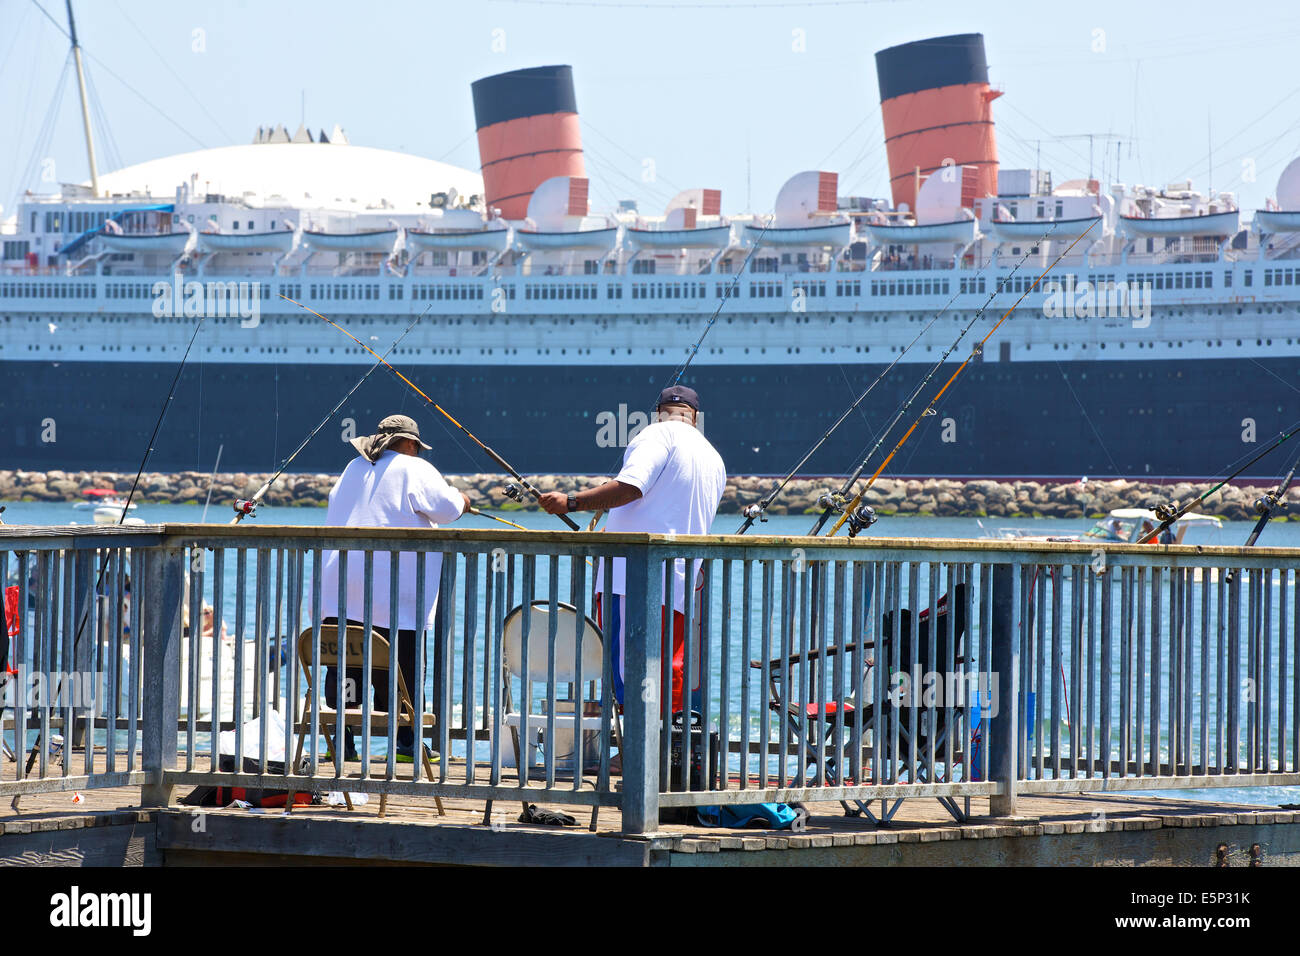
x=111, y=511
x=1121, y=526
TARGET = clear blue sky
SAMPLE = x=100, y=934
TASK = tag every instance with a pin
x=694, y=87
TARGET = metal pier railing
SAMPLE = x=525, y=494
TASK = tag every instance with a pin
x=864, y=671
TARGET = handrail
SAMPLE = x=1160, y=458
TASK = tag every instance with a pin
x=1097, y=667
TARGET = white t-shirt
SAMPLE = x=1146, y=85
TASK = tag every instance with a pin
x=398, y=491
x=681, y=478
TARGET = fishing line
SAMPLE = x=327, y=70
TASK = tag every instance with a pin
x=756, y=511
x=103, y=567
x=524, y=482
x=245, y=507
x=695, y=349
x=735, y=281
x=835, y=500
x=851, y=508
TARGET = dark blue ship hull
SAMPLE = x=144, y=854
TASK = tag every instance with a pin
x=1008, y=419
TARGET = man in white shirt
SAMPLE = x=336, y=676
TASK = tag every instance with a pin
x=671, y=482
x=387, y=486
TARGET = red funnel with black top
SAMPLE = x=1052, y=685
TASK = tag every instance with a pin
x=527, y=123
x=937, y=108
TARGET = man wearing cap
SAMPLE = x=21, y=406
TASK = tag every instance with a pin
x=671, y=482
x=387, y=486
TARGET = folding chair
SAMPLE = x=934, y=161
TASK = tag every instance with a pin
x=380, y=657
x=536, y=625
x=815, y=723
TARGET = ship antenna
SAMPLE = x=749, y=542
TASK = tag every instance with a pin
x=85, y=108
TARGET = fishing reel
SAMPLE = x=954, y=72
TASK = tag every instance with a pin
x=515, y=492
x=755, y=512
x=1269, y=502
x=1167, y=511
x=245, y=507
x=860, y=519
x=831, y=501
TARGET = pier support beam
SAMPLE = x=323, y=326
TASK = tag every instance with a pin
x=1004, y=735
x=162, y=592
x=641, y=695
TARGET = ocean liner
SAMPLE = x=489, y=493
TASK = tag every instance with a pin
x=1161, y=345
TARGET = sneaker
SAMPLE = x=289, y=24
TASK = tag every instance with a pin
x=406, y=753
x=349, y=749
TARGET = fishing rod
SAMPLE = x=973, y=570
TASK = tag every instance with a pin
x=851, y=510
x=245, y=507
x=523, y=482
x=99, y=581
x=833, y=502
x=1170, y=512
x=1269, y=502
x=757, y=511
x=708, y=326
x=484, y=514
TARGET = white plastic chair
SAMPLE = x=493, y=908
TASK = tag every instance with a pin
x=587, y=675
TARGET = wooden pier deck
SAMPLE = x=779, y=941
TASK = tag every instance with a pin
x=108, y=828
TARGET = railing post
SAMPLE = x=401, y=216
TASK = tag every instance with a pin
x=641, y=652
x=164, y=586
x=1004, y=732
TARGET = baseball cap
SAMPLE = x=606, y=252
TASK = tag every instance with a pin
x=679, y=395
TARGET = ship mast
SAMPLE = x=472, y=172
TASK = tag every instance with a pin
x=85, y=109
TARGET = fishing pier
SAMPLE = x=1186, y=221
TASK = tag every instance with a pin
x=927, y=701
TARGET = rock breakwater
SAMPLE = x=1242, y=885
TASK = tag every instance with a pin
x=889, y=496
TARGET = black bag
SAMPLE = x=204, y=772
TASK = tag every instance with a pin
x=699, y=782
x=224, y=796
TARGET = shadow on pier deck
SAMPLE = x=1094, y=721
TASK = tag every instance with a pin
x=107, y=828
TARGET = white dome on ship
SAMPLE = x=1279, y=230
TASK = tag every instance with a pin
x=298, y=174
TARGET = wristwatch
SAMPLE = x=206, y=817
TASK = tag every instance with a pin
x=572, y=504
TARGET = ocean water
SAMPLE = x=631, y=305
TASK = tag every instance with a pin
x=1279, y=533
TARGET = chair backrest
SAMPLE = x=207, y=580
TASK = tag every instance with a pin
x=354, y=639
x=566, y=623
x=955, y=604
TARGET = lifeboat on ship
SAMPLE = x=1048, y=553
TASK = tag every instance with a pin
x=1284, y=214
x=488, y=240
x=805, y=197
x=1009, y=230
x=558, y=219
x=378, y=240
x=1206, y=224
x=171, y=243
x=681, y=228
x=278, y=241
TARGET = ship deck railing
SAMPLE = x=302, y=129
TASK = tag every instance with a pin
x=1078, y=668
